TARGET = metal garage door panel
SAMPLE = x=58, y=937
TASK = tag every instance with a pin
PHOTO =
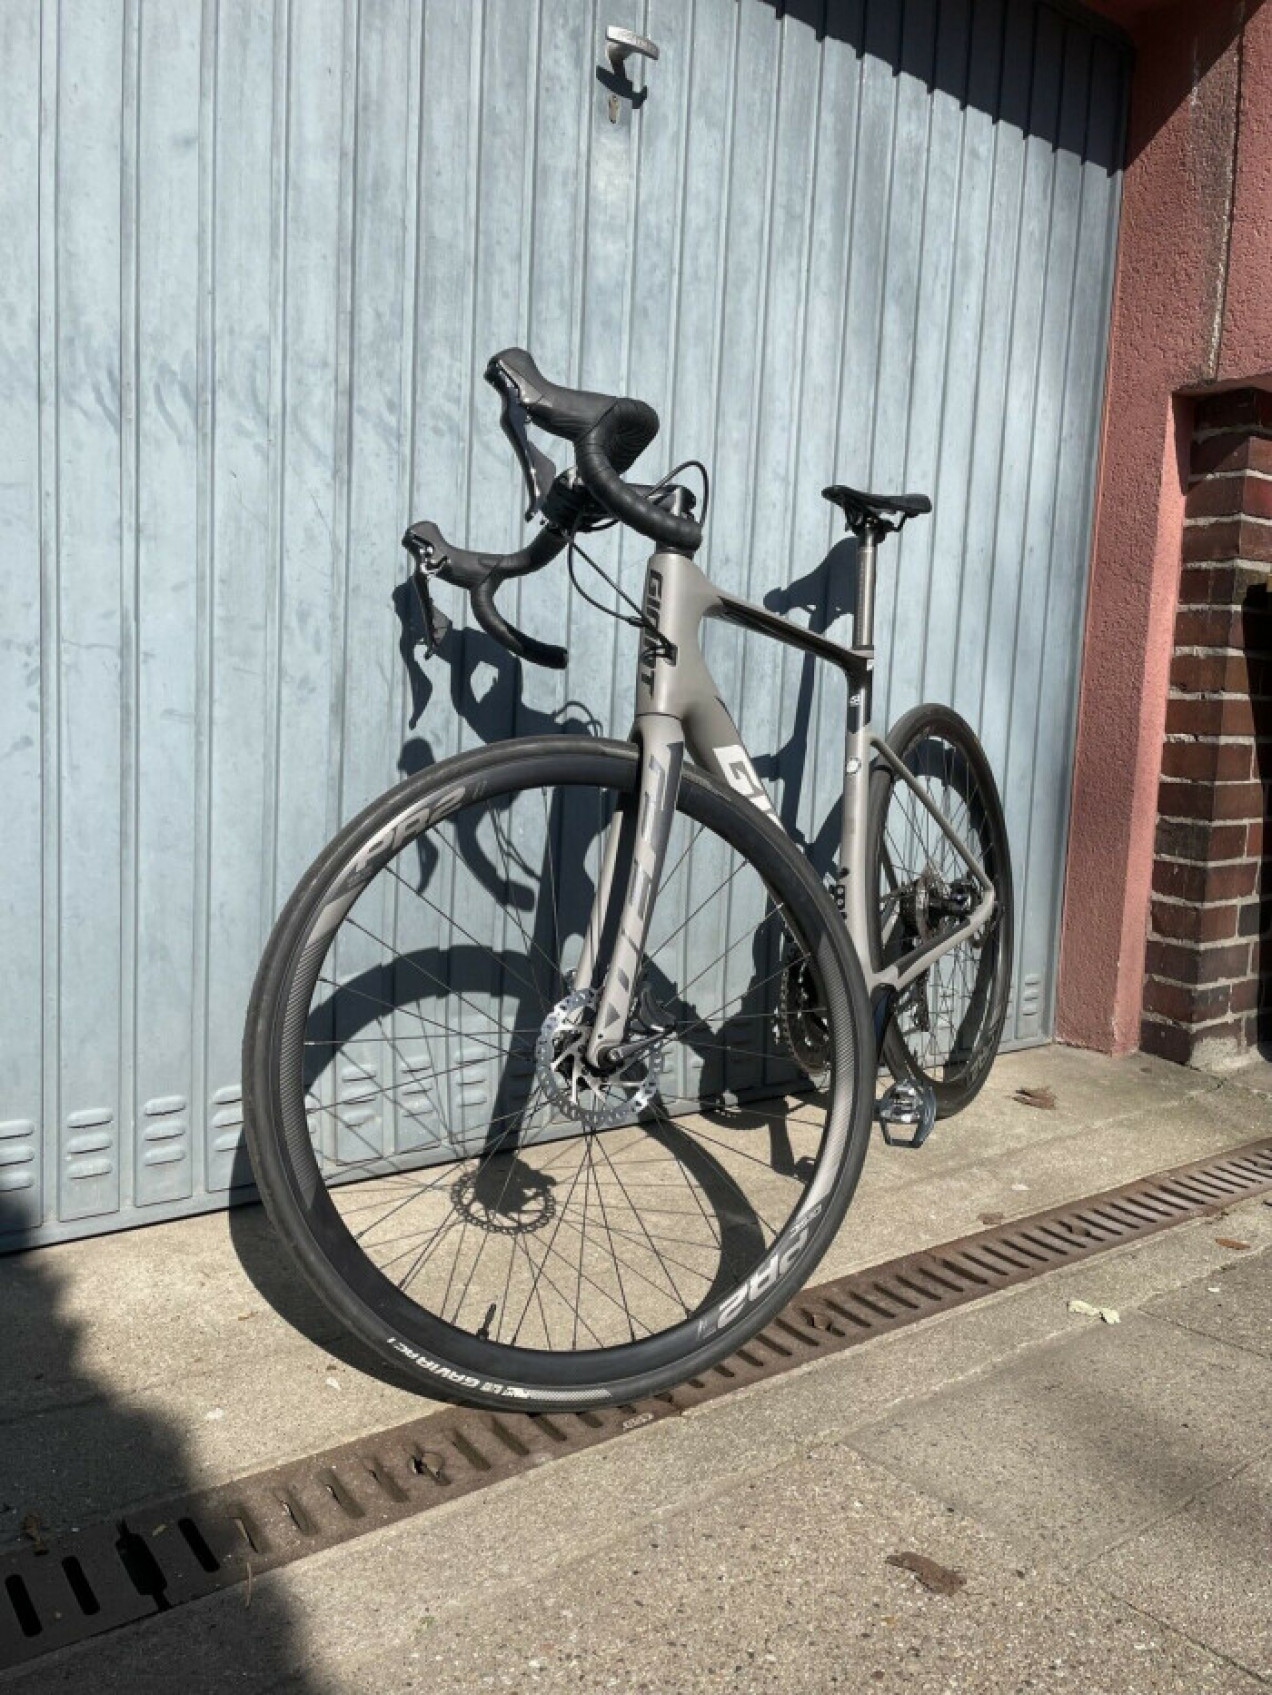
x=257, y=259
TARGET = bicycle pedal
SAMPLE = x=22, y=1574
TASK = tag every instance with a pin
x=909, y=1106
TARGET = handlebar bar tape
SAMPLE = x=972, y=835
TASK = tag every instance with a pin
x=605, y=450
x=520, y=645
x=608, y=435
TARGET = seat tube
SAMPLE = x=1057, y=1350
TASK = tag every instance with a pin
x=854, y=817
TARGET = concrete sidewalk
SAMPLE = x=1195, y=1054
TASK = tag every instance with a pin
x=1105, y=1492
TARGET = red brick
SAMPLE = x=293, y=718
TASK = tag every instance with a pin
x=1211, y=673
x=1220, y=715
x=1168, y=1041
x=1186, y=922
x=1219, y=539
x=1221, y=964
x=1244, y=997
x=1227, y=538
x=1255, y=542
x=1238, y=800
x=1220, y=762
x=1230, y=452
x=1178, y=962
x=1210, y=800
x=1206, y=585
x=1233, y=408
x=1179, y=880
x=1216, y=497
x=1225, y=582
x=1221, y=497
x=1255, y=833
x=1255, y=918
x=1174, y=961
x=1214, y=627
x=1201, y=840
x=1184, y=1005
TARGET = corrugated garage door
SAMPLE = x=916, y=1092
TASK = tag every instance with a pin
x=256, y=256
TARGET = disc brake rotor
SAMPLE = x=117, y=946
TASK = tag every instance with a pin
x=597, y=1100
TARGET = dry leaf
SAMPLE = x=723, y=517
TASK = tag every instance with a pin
x=33, y=1530
x=1044, y=1098
x=937, y=1578
x=991, y=1217
x=1229, y=1242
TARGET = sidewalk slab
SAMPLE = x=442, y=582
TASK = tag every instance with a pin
x=1232, y=1306
x=1208, y=1568
x=1096, y=1435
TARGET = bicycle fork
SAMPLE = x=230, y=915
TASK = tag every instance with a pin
x=635, y=850
x=677, y=708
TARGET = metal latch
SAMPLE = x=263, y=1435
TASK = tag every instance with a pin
x=620, y=44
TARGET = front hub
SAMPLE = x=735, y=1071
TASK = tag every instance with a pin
x=597, y=1100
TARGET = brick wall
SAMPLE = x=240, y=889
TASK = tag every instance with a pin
x=1210, y=947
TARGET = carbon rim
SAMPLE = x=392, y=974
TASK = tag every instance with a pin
x=949, y=1021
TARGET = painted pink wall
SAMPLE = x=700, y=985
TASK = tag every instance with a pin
x=1191, y=306
x=1245, y=347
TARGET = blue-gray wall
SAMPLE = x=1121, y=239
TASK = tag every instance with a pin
x=255, y=257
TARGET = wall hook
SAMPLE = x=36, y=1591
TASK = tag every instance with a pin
x=620, y=44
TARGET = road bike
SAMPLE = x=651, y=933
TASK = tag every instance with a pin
x=560, y=1064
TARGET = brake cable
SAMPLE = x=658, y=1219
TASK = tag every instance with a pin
x=640, y=621
x=688, y=465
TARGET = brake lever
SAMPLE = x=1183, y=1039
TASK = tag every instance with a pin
x=537, y=469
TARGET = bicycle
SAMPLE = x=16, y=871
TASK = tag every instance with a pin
x=518, y=1136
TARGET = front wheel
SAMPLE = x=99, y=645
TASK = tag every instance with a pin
x=457, y=1183
x=946, y=1024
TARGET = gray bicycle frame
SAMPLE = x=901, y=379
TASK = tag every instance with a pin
x=678, y=706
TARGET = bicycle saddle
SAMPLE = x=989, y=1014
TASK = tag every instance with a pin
x=859, y=509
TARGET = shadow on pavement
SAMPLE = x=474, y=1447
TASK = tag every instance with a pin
x=73, y=1452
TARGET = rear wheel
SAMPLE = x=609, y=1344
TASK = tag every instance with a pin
x=947, y=1024
x=462, y=1190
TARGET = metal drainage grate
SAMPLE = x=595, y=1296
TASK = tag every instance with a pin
x=85, y=1582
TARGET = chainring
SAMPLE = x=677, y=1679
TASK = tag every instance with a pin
x=801, y=1017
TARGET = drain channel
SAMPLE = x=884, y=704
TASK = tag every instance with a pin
x=86, y=1582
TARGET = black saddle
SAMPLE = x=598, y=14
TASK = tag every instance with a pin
x=882, y=512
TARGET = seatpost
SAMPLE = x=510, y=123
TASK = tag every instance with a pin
x=868, y=537
x=863, y=615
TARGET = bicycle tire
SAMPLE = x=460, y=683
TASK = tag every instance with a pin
x=446, y=1359
x=935, y=743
